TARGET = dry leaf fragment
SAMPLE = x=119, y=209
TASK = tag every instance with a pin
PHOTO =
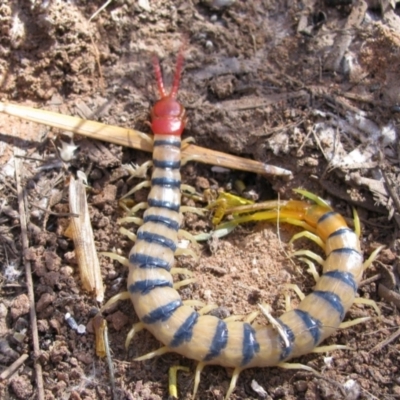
x=99, y=324
x=80, y=231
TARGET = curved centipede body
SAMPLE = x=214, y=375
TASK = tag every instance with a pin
x=205, y=338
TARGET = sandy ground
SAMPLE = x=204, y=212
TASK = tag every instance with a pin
x=309, y=86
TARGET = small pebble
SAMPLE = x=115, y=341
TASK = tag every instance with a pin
x=301, y=386
x=219, y=3
x=207, y=294
x=220, y=170
x=81, y=329
x=258, y=389
x=71, y=322
x=209, y=44
x=67, y=151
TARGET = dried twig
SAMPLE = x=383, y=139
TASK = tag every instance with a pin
x=56, y=214
x=110, y=364
x=98, y=11
x=340, y=193
x=80, y=230
x=390, y=339
x=370, y=280
x=345, y=36
x=13, y=367
x=29, y=281
x=136, y=140
x=390, y=296
x=391, y=188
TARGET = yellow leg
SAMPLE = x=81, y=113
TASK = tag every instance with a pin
x=185, y=234
x=220, y=231
x=124, y=204
x=141, y=185
x=219, y=206
x=327, y=349
x=194, y=210
x=372, y=257
x=114, y=299
x=348, y=324
x=183, y=271
x=187, y=252
x=251, y=317
x=311, y=196
x=280, y=217
x=207, y=309
x=193, y=303
x=232, y=385
x=173, y=379
x=132, y=332
x=122, y=260
x=357, y=224
x=152, y=354
x=136, y=171
x=236, y=317
x=187, y=141
x=239, y=205
x=306, y=234
x=128, y=220
x=310, y=254
x=185, y=282
x=188, y=188
x=297, y=366
x=126, y=232
x=185, y=160
x=296, y=222
x=147, y=138
x=311, y=268
x=368, y=302
x=295, y=288
x=139, y=206
x=199, y=368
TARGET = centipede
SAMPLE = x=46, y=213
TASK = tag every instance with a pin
x=204, y=338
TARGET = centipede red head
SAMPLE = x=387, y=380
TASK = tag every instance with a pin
x=168, y=116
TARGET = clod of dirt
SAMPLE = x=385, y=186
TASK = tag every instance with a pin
x=108, y=195
x=118, y=320
x=8, y=354
x=20, y=306
x=43, y=325
x=52, y=261
x=22, y=387
x=202, y=183
x=45, y=300
x=58, y=351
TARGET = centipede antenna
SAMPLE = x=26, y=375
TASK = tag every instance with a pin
x=159, y=78
x=177, y=76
